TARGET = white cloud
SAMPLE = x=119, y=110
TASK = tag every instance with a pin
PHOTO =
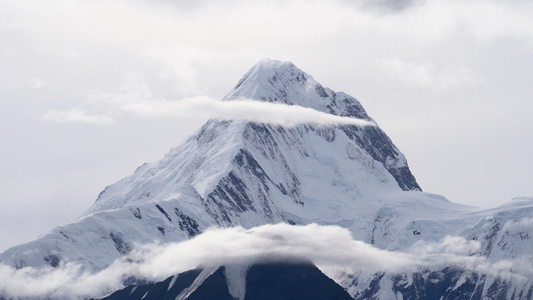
x=37, y=83
x=279, y=114
x=520, y=225
x=329, y=247
x=389, y=5
x=324, y=245
x=138, y=104
x=489, y=20
x=426, y=75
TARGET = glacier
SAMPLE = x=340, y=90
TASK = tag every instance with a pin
x=244, y=173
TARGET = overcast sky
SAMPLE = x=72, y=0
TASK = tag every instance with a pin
x=449, y=81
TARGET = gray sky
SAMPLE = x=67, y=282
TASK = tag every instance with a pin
x=449, y=81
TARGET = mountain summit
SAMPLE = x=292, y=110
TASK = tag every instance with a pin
x=282, y=82
x=239, y=167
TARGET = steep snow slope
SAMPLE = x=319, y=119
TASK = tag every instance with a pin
x=275, y=81
x=500, y=267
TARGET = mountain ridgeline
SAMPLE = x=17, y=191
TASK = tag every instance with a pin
x=244, y=173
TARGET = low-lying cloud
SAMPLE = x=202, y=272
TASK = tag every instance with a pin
x=244, y=109
x=329, y=247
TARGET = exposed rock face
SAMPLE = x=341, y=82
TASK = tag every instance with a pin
x=261, y=281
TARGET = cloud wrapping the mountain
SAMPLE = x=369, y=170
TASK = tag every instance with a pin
x=331, y=248
x=327, y=245
x=243, y=109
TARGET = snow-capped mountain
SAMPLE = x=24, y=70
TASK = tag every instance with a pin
x=236, y=173
x=244, y=173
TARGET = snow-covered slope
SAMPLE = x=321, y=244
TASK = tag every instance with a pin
x=237, y=172
x=499, y=266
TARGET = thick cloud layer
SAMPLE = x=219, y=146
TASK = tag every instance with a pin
x=330, y=247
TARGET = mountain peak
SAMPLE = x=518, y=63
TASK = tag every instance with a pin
x=265, y=75
x=266, y=65
x=283, y=82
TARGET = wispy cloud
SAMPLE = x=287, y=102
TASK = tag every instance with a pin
x=389, y=6
x=251, y=110
x=426, y=75
x=329, y=247
x=243, y=109
x=38, y=83
x=76, y=115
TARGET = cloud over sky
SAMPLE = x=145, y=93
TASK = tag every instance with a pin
x=329, y=247
x=424, y=75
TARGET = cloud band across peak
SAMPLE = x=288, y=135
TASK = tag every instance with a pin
x=242, y=109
